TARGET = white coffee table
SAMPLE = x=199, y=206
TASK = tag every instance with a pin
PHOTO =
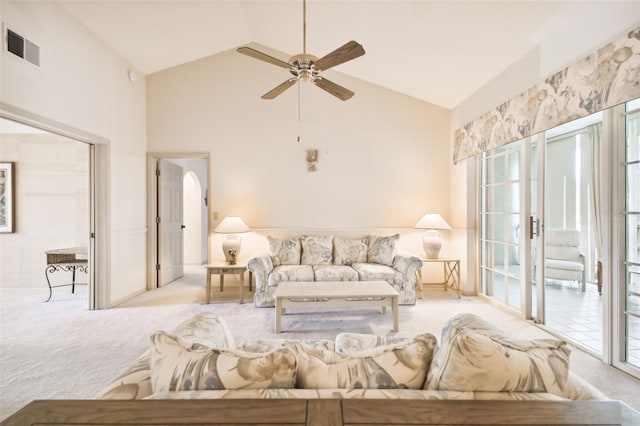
x=337, y=293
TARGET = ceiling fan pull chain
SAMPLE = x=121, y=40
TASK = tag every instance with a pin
x=298, y=103
x=299, y=111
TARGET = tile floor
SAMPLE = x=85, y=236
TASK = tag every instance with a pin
x=578, y=316
x=574, y=314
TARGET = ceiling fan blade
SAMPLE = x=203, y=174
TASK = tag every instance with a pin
x=263, y=57
x=333, y=88
x=347, y=52
x=279, y=89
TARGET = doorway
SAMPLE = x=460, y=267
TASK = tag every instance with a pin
x=178, y=206
x=54, y=208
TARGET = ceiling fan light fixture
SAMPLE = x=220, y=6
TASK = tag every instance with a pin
x=302, y=67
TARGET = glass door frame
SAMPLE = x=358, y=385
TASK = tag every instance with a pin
x=496, y=212
x=526, y=261
x=617, y=272
x=537, y=226
x=524, y=239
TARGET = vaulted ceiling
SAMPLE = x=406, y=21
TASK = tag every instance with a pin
x=438, y=51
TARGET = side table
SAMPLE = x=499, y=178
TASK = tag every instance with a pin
x=72, y=260
x=222, y=268
x=451, y=272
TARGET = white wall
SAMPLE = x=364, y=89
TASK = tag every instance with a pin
x=192, y=219
x=383, y=158
x=588, y=28
x=561, y=43
x=84, y=84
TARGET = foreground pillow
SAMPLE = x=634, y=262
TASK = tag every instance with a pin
x=352, y=343
x=206, y=329
x=177, y=367
x=472, y=361
x=382, y=250
x=268, y=345
x=348, y=252
x=284, y=252
x=401, y=366
x=480, y=325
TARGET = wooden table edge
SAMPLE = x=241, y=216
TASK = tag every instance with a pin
x=322, y=411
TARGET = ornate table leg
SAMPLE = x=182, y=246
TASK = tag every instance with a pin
x=73, y=268
x=49, y=268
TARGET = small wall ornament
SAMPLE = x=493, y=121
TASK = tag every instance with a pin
x=312, y=160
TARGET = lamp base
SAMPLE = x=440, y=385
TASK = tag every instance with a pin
x=231, y=248
x=432, y=243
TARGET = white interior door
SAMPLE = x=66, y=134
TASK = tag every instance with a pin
x=170, y=230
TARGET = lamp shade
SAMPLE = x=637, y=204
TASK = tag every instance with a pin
x=231, y=225
x=432, y=221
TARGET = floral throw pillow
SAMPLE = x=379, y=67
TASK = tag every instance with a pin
x=470, y=361
x=348, y=252
x=178, y=367
x=400, y=366
x=382, y=250
x=284, y=252
x=317, y=250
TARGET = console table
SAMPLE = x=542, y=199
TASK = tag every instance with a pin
x=451, y=272
x=321, y=412
x=72, y=260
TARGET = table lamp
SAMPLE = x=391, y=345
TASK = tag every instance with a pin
x=231, y=225
x=432, y=239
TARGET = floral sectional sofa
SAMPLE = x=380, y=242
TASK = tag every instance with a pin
x=331, y=258
x=474, y=360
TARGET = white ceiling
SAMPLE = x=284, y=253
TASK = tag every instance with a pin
x=438, y=51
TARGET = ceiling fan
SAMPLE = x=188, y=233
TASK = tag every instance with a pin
x=307, y=67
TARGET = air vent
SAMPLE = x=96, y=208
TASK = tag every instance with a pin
x=22, y=48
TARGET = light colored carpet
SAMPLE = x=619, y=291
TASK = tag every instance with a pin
x=60, y=350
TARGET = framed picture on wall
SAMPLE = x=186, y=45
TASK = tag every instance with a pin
x=6, y=197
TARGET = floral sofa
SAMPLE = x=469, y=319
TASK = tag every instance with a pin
x=473, y=361
x=331, y=258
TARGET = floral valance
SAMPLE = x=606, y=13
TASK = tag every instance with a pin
x=606, y=78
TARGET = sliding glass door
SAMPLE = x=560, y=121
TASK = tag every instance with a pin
x=501, y=229
x=542, y=190
x=560, y=231
x=572, y=301
x=631, y=301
